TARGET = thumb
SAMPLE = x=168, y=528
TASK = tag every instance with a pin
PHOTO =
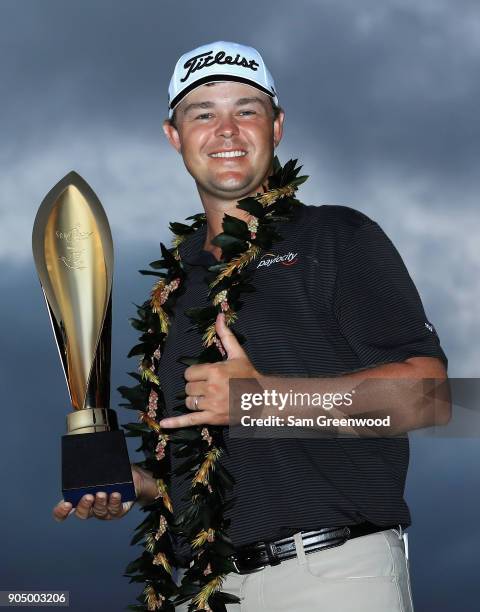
x=228, y=339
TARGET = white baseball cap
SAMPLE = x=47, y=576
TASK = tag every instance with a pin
x=219, y=61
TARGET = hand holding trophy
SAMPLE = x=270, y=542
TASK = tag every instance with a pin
x=73, y=252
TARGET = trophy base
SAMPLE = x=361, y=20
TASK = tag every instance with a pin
x=93, y=462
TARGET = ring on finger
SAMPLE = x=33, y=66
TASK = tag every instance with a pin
x=195, y=402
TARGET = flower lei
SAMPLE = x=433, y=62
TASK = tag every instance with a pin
x=202, y=522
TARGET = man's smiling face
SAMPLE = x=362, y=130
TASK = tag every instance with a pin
x=226, y=133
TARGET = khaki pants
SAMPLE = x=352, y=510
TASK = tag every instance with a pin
x=366, y=574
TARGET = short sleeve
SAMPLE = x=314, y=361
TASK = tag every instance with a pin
x=377, y=305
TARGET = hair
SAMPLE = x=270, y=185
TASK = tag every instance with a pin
x=276, y=112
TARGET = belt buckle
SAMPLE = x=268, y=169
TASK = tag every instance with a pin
x=234, y=563
x=237, y=569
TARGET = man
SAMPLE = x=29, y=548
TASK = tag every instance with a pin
x=317, y=523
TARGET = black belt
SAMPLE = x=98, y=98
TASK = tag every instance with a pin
x=256, y=556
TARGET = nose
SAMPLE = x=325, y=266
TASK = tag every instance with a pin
x=226, y=127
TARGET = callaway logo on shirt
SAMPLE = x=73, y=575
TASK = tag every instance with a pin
x=197, y=62
x=270, y=258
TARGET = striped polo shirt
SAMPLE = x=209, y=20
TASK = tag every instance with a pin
x=331, y=297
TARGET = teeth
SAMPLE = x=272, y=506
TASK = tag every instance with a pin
x=229, y=154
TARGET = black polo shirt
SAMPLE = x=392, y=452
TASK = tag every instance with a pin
x=333, y=296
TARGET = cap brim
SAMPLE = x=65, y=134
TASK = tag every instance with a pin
x=216, y=77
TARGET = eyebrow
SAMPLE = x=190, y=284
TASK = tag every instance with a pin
x=239, y=102
x=242, y=101
x=195, y=105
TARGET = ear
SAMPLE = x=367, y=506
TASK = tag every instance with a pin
x=278, y=128
x=172, y=135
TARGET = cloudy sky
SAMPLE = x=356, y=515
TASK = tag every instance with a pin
x=381, y=99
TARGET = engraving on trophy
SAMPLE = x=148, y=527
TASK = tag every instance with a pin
x=74, y=259
x=74, y=235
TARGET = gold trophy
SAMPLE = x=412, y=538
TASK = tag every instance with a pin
x=73, y=253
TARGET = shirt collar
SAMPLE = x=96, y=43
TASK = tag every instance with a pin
x=191, y=250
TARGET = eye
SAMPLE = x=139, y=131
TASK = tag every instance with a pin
x=204, y=116
x=247, y=112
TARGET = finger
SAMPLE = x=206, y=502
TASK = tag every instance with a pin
x=84, y=507
x=228, y=338
x=196, y=388
x=99, y=508
x=126, y=506
x=197, y=372
x=115, y=504
x=62, y=510
x=186, y=420
x=138, y=479
x=199, y=404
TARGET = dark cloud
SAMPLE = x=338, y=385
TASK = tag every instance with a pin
x=364, y=83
